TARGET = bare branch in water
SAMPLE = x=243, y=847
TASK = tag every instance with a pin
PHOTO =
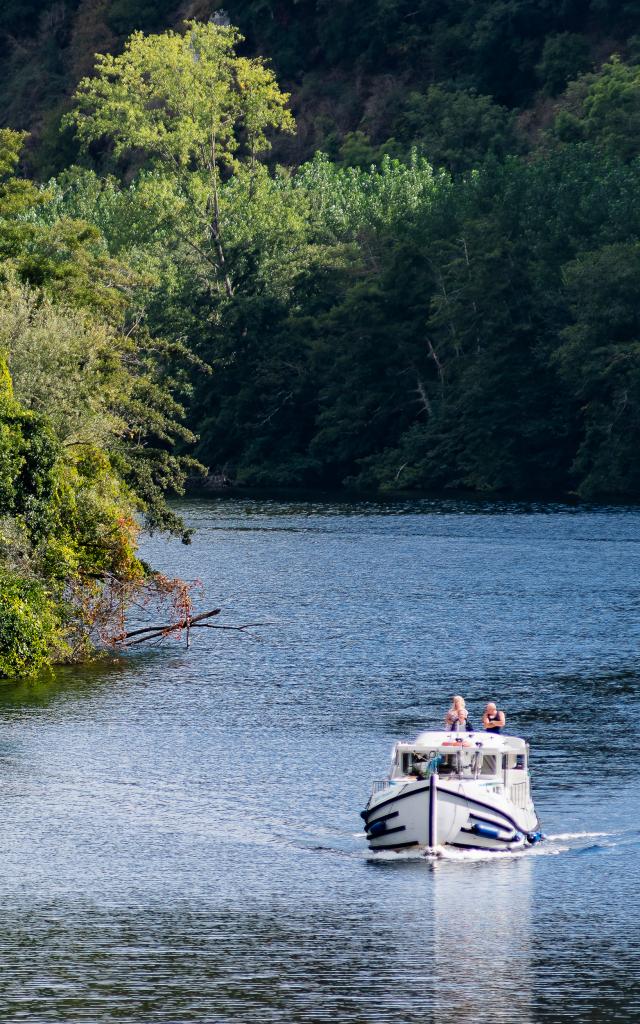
x=156, y=633
x=185, y=624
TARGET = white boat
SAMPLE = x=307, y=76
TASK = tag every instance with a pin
x=463, y=789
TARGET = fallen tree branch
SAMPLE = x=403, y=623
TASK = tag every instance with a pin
x=149, y=634
x=171, y=627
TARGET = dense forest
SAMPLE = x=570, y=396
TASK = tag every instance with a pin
x=383, y=246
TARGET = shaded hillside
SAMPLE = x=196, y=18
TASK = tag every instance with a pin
x=367, y=76
x=446, y=299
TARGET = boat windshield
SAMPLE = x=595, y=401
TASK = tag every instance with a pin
x=465, y=764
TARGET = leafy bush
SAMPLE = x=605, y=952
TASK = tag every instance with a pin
x=30, y=625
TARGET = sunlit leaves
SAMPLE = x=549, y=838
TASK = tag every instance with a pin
x=183, y=98
x=189, y=103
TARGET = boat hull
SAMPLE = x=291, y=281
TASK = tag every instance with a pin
x=458, y=814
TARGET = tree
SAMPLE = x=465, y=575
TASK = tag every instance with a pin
x=89, y=420
x=193, y=106
x=600, y=359
x=30, y=621
x=565, y=56
x=85, y=445
x=457, y=129
x=65, y=255
x=603, y=108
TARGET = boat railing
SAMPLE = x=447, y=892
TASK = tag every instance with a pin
x=381, y=784
x=518, y=794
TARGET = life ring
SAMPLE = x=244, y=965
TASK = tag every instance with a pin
x=456, y=743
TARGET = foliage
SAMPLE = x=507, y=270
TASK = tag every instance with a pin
x=350, y=66
x=89, y=418
x=181, y=98
x=28, y=452
x=600, y=356
x=603, y=108
x=446, y=301
x=189, y=102
x=417, y=345
x=357, y=150
x=67, y=477
x=373, y=322
x=30, y=627
x=456, y=129
x=67, y=256
x=564, y=57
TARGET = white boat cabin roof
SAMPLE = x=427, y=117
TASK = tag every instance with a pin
x=488, y=741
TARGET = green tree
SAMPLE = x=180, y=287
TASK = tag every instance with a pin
x=603, y=108
x=89, y=420
x=67, y=256
x=564, y=57
x=600, y=360
x=31, y=628
x=199, y=110
x=30, y=621
x=457, y=129
x=77, y=463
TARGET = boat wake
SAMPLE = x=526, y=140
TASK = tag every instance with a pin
x=466, y=856
x=389, y=857
x=564, y=836
x=447, y=853
x=553, y=846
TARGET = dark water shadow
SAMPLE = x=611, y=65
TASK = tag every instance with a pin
x=50, y=685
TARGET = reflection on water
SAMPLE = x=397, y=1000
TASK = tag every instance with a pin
x=180, y=828
x=482, y=940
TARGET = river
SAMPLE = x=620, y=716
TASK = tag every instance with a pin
x=180, y=832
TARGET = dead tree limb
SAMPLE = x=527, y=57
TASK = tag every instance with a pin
x=155, y=633
x=170, y=627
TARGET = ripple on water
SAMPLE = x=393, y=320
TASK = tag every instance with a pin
x=180, y=839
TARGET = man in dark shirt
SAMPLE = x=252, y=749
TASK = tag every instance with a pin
x=493, y=720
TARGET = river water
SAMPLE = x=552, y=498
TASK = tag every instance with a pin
x=180, y=831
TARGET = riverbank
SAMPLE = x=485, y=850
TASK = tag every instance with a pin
x=217, y=488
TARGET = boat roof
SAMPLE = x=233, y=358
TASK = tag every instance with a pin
x=487, y=740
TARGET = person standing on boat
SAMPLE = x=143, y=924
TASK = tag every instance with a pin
x=493, y=720
x=457, y=717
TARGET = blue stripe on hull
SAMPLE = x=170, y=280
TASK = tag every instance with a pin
x=395, y=846
x=494, y=839
x=459, y=796
x=485, y=849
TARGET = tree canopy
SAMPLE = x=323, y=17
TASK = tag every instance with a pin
x=89, y=417
x=443, y=298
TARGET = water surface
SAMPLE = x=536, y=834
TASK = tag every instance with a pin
x=180, y=837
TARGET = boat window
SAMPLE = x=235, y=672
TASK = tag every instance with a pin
x=513, y=760
x=489, y=764
x=415, y=764
x=467, y=762
x=448, y=764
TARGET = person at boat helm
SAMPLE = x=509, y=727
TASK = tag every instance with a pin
x=457, y=717
x=493, y=720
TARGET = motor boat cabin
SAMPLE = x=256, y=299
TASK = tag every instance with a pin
x=460, y=789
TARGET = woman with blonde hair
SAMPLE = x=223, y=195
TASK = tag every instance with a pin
x=457, y=717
